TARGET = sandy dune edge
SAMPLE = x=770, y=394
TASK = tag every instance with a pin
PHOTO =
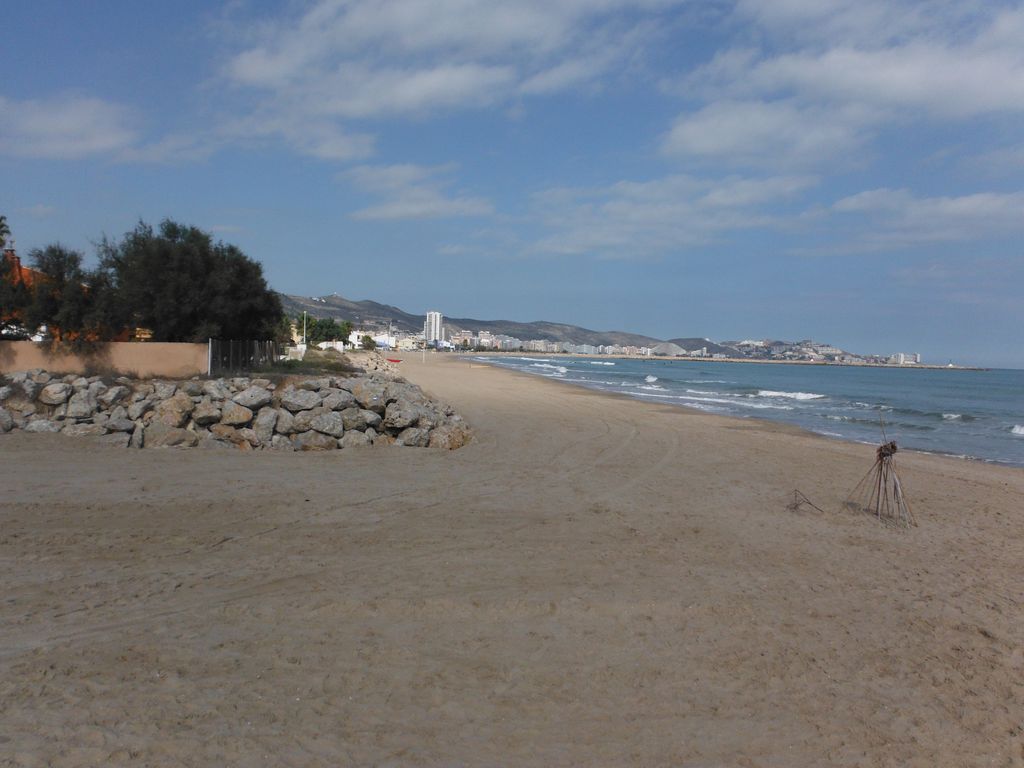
x=593, y=581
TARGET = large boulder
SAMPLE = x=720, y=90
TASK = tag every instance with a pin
x=370, y=393
x=360, y=419
x=330, y=423
x=82, y=405
x=413, y=437
x=173, y=412
x=449, y=436
x=42, y=425
x=139, y=408
x=161, y=435
x=164, y=390
x=216, y=389
x=303, y=420
x=285, y=424
x=314, y=441
x=264, y=424
x=235, y=415
x=401, y=414
x=253, y=397
x=56, y=393
x=354, y=440
x=281, y=443
x=119, y=425
x=339, y=400
x=206, y=413
x=296, y=400
x=84, y=430
x=6, y=421
x=113, y=395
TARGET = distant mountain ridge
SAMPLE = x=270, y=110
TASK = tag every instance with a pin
x=373, y=313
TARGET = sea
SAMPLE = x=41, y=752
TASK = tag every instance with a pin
x=972, y=414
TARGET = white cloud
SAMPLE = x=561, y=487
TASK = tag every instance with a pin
x=768, y=133
x=338, y=62
x=637, y=220
x=64, y=127
x=897, y=216
x=413, y=192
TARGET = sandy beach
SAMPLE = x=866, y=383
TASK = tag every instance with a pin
x=592, y=581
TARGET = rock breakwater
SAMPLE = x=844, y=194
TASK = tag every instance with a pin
x=302, y=413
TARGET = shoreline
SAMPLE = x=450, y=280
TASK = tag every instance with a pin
x=744, y=418
x=906, y=367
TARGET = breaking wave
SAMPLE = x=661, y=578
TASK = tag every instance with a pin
x=789, y=395
x=1018, y=429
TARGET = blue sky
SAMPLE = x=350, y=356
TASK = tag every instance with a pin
x=847, y=171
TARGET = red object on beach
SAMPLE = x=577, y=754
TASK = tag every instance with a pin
x=392, y=360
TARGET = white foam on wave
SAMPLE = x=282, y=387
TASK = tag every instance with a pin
x=789, y=395
x=650, y=379
x=1018, y=429
x=599, y=362
x=952, y=416
x=560, y=370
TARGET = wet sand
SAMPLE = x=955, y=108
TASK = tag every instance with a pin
x=593, y=581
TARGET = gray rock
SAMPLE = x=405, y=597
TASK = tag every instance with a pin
x=216, y=389
x=227, y=434
x=5, y=392
x=142, y=391
x=339, y=400
x=119, y=425
x=330, y=423
x=371, y=434
x=235, y=415
x=6, y=421
x=253, y=397
x=296, y=400
x=138, y=409
x=414, y=437
x=55, y=394
x=113, y=395
x=400, y=415
x=206, y=413
x=42, y=377
x=303, y=420
x=239, y=383
x=285, y=422
x=175, y=411
x=370, y=394
x=117, y=439
x=314, y=385
x=449, y=436
x=262, y=383
x=164, y=390
x=42, y=425
x=84, y=430
x=138, y=438
x=100, y=418
x=281, y=443
x=314, y=441
x=97, y=387
x=160, y=435
x=264, y=424
x=354, y=440
x=82, y=405
x=119, y=412
x=30, y=388
x=249, y=436
x=193, y=388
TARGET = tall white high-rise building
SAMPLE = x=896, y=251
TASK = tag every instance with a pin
x=432, y=329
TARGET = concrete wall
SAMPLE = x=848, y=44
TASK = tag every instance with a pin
x=142, y=359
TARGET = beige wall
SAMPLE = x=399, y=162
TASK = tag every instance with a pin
x=142, y=359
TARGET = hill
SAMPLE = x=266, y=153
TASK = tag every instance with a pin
x=692, y=343
x=363, y=313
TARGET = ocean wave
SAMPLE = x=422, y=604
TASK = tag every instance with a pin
x=1018, y=429
x=789, y=395
x=559, y=370
x=598, y=362
x=957, y=417
x=650, y=379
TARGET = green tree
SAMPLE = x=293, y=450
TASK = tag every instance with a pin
x=14, y=300
x=367, y=342
x=183, y=286
x=59, y=295
x=5, y=231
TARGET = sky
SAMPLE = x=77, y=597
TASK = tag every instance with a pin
x=851, y=172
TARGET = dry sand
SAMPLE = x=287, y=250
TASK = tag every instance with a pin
x=593, y=581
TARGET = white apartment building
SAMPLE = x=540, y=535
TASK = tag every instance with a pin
x=432, y=328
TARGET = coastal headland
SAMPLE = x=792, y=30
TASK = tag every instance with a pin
x=593, y=580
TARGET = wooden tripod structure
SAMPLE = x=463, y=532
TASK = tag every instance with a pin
x=880, y=492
